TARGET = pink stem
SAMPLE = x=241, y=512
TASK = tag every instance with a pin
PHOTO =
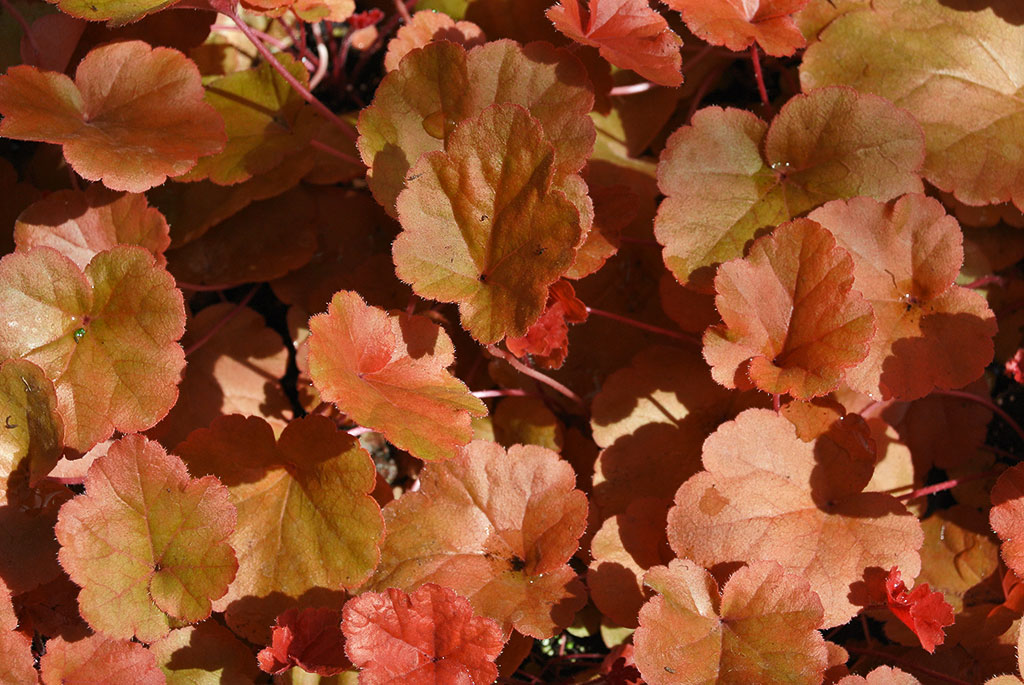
x=534, y=374
x=755, y=59
x=220, y=324
x=358, y=430
x=991, y=279
x=320, y=107
x=947, y=485
x=403, y=11
x=905, y=664
x=632, y=89
x=644, y=326
x=323, y=56
x=777, y=402
x=323, y=147
x=985, y=402
x=507, y=392
x=26, y=29
x=265, y=37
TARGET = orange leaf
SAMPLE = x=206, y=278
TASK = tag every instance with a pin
x=736, y=24
x=923, y=611
x=310, y=639
x=305, y=516
x=1007, y=516
x=99, y=659
x=883, y=675
x=762, y=628
x=547, y=340
x=929, y=332
x=496, y=527
x=484, y=225
x=81, y=224
x=105, y=337
x=17, y=665
x=628, y=33
x=815, y=520
x=388, y=373
x=125, y=97
x=426, y=27
x=789, y=308
x=146, y=543
x=33, y=433
x=428, y=636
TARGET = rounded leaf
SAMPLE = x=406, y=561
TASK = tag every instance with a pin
x=737, y=25
x=147, y=544
x=33, y=433
x=98, y=659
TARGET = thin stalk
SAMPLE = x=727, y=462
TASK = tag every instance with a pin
x=536, y=375
x=947, y=485
x=220, y=324
x=25, y=28
x=991, y=279
x=755, y=60
x=358, y=430
x=320, y=107
x=906, y=665
x=403, y=11
x=264, y=36
x=632, y=89
x=986, y=402
x=644, y=326
x=324, y=147
x=505, y=392
x=323, y=56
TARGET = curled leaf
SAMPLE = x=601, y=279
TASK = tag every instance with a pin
x=737, y=25
x=308, y=638
x=923, y=611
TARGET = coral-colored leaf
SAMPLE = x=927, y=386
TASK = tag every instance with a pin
x=99, y=659
x=547, y=340
x=428, y=636
x=930, y=333
x=419, y=106
x=496, y=527
x=105, y=337
x=737, y=24
x=265, y=120
x=923, y=611
x=816, y=522
x=790, y=311
x=427, y=27
x=628, y=33
x=17, y=665
x=204, y=654
x=883, y=675
x=133, y=116
x=967, y=102
x=728, y=175
x=233, y=372
x=307, y=10
x=33, y=433
x=388, y=374
x=484, y=225
x=305, y=517
x=81, y=224
x=1007, y=516
x=762, y=628
x=310, y=639
x=146, y=543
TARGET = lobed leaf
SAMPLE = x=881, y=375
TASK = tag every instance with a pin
x=728, y=174
x=427, y=27
x=147, y=544
x=817, y=521
x=18, y=664
x=388, y=373
x=738, y=24
x=204, y=654
x=305, y=516
x=792, y=322
x=923, y=611
x=428, y=636
x=1007, y=516
x=547, y=340
x=497, y=527
x=33, y=433
x=98, y=659
x=418, y=107
x=929, y=332
x=954, y=70
x=628, y=33
x=81, y=224
x=485, y=226
x=105, y=336
x=882, y=675
x=310, y=639
x=761, y=628
x=133, y=116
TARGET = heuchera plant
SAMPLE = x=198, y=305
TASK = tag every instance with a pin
x=529, y=341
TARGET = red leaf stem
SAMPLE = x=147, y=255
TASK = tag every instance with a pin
x=536, y=375
x=10, y=9
x=263, y=35
x=755, y=59
x=632, y=89
x=323, y=58
x=220, y=324
x=320, y=107
x=644, y=326
x=403, y=11
x=991, y=279
x=905, y=664
x=985, y=402
x=947, y=485
x=505, y=392
x=323, y=147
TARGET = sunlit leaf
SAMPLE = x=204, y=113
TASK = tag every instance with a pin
x=728, y=174
x=427, y=636
x=146, y=543
x=761, y=628
x=738, y=24
x=81, y=224
x=792, y=322
x=929, y=332
x=17, y=666
x=105, y=337
x=496, y=527
x=485, y=227
x=427, y=27
x=883, y=675
x=628, y=33
x=125, y=96
x=389, y=373
x=816, y=522
x=99, y=659
x=1007, y=516
x=32, y=431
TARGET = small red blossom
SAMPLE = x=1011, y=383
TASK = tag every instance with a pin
x=360, y=20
